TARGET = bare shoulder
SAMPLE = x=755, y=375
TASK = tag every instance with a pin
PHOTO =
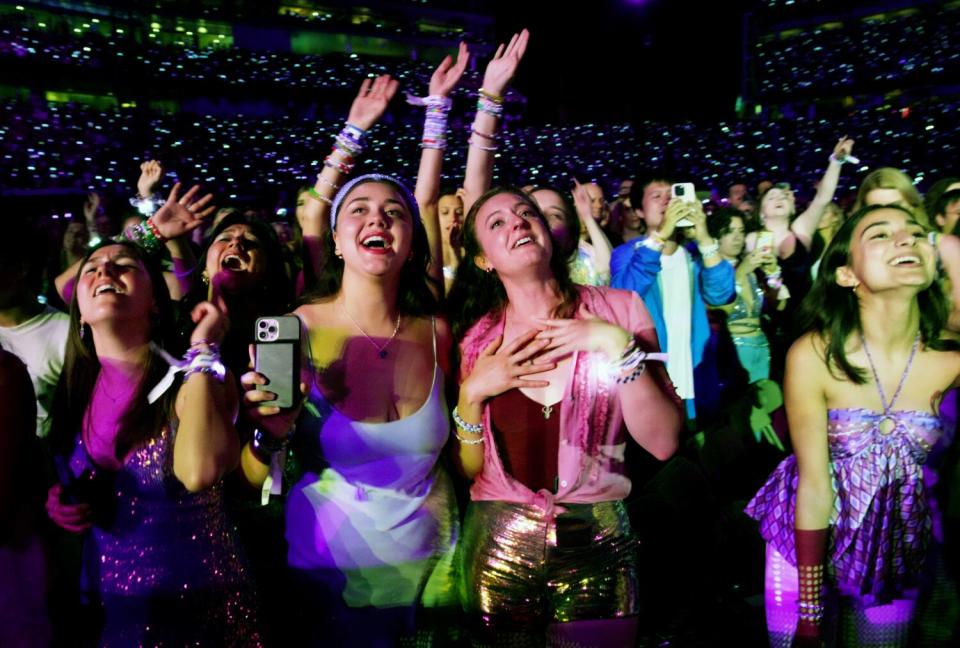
x=807, y=352
x=315, y=314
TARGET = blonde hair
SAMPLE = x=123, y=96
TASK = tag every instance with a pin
x=890, y=178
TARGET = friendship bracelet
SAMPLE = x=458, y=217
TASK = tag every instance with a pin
x=483, y=135
x=489, y=107
x=205, y=363
x=477, y=145
x=324, y=181
x=654, y=242
x=495, y=98
x=155, y=231
x=466, y=441
x=313, y=193
x=709, y=251
x=472, y=428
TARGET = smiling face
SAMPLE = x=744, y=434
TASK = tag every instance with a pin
x=513, y=238
x=236, y=259
x=888, y=250
x=374, y=231
x=777, y=205
x=114, y=285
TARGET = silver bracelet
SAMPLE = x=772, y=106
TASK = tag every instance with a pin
x=466, y=441
x=472, y=428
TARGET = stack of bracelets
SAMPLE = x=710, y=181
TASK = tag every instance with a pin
x=491, y=104
x=435, y=124
x=346, y=149
x=146, y=235
x=264, y=446
x=630, y=365
x=709, y=251
x=203, y=356
x=470, y=428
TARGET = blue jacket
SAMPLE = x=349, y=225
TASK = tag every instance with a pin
x=636, y=267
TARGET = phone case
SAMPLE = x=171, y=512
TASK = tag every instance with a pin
x=277, y=357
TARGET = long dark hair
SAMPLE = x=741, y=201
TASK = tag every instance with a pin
x=142, y=420
x=570, y=220
x=475, y=293
x=415, y=291
x=833, y=312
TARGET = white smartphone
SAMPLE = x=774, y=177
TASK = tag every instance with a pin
x=685, y=192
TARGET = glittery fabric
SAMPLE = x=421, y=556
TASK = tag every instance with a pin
x=164, y=564
x=880, y=520
x=523, y=570
x=584, y=270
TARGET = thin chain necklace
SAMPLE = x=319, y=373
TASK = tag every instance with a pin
x=887, y=422
x=381, y=348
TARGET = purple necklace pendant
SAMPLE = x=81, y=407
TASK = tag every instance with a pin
x=383, y=354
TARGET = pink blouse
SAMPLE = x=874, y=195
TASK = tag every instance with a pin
x=592, y=439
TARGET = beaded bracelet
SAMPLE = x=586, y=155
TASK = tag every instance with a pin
x=205, y=363
x=316, y=195
x=709, y=251
x=326, y=182
x=654, y=242
x=435, y=121
x=472, y=428
x=477, y=145
x=490, y=107
x=495, y=98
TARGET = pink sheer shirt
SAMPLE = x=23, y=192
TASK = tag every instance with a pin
x=592, y=437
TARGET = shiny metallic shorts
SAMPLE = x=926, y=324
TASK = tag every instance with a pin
x=519, y=567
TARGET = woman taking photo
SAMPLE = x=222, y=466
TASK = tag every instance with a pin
x=144, y=455
x=846, y=518
x=372, y=524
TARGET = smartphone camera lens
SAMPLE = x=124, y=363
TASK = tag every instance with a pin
x=262, y=324
x=272, y=329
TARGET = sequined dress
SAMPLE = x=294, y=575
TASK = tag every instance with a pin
x=880, y=523
x=161, y=561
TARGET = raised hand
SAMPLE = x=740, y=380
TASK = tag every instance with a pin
x=211, y=324
x=447, y=75
x=372, y=100
x=503, y=65
x=589, y=334
x=500, y=367
x=182, y=214
x=151, y=172
x=843, y=148
x=581, y=200
x=91, y=206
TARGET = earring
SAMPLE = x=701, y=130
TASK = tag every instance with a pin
x=82, y=330
x=205, y=278
x=488, y=269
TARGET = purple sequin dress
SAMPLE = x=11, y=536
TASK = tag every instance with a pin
x=880, y=524
x=162, y=562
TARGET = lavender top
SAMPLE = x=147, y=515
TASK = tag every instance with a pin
x=880, y=522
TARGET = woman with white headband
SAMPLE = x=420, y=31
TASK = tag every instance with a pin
x=372, y=523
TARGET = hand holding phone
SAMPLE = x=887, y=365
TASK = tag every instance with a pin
x=765, y=242
x=277, y=358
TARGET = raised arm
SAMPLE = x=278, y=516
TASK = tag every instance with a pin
x=427, y=192
x=483, y=139
x=206, y=446
x=805, y=224
x=365, y=111
x=174, y=221
x=601, y=244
